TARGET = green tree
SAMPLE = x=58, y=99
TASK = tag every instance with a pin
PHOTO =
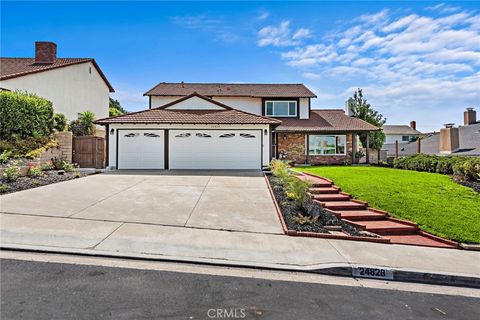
x=361, y=109
x=83, y=126
x=115, y=109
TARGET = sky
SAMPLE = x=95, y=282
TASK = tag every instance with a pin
x=414, y=60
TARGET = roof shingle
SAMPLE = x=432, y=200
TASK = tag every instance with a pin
x=162, y=114
x=17, y=67
x=332, y=120
x=231, y=90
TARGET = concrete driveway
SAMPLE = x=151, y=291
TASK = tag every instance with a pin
x=220, y=200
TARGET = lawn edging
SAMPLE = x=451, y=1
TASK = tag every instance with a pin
x=308, y=234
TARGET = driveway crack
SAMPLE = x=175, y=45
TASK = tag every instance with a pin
x=198, y=200
x=94, y=246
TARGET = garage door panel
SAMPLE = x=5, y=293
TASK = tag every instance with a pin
x=215, y=149
x=141, y=149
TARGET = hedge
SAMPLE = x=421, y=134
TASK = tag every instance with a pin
x=24, y=115
x=461, y=166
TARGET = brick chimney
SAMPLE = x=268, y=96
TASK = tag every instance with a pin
x=413, y=125
x=449, y=139
x=469, y=116
x=45, y=52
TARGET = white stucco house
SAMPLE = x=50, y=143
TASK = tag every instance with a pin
x=229, y=126
x=73, y=85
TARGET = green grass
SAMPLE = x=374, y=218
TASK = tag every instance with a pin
x=439, y=205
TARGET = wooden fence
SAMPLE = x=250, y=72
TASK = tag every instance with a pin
x=89, y=152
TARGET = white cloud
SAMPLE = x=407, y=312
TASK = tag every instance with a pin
x=401, y=60
x=281, y=35
x=263, y=15
x=218, y=27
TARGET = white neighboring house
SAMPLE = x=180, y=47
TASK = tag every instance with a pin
x=73, y=85
x=402, y=133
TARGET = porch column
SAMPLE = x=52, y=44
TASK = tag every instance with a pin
x=367, y=152
x=354, y=146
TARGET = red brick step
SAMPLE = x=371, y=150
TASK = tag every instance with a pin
x=419, y=240
x=331, y=197
x=342, y=205
x=324, y=190
x=354, y=215
x=387, y=226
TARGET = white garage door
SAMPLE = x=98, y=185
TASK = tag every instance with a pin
x=141, y=149
x=215, y=149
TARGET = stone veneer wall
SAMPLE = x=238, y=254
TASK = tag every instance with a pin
x=293, y=145
x=64, y=150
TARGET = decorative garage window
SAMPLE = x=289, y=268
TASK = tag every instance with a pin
x=327, y=144
x=130, y=135
x=227, y=135
x=183, y=135
x=247, y=135
x=151, y=135
x=203, y=135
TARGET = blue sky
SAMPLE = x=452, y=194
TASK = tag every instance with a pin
x=415, y=60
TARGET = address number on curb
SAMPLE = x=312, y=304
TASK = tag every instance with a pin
x=376, y=273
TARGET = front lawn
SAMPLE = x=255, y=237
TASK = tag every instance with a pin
x=439, y=205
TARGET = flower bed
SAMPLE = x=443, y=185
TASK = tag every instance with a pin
x=301, y=216
x=28, y=182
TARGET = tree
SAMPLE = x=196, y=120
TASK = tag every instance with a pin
x=83, y=126
x=115, y=109
x=361, y=109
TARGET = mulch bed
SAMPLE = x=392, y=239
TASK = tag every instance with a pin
x=48, y=177
x=289, y=212
x=474, y=184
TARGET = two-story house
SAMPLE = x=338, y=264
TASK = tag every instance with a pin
x=73, y=85
x=229, y=126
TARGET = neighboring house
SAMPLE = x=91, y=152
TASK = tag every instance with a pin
x=402, y=134
x=229, y=126
x=462, y=141
x=73, y=85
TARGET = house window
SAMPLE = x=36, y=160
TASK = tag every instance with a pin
x=281, y=108
x=406, y=138
x=327, y=144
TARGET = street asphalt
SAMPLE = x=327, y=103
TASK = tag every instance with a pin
x=41, y=290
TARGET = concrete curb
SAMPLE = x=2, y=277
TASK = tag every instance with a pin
x=334, y=269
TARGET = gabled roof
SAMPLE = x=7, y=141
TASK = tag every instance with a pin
x=17, y=67
x=399, y=129
x=232, y=90
x=326, y=120
x=225, y=115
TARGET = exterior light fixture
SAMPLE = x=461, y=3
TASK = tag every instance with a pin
x=112, y=131
x=265, y=131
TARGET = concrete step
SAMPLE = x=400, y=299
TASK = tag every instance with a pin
x=387, y=227
x=342, y=205
x=331, y=197
x=419, y=240
x=354, y=215
x=324, y=190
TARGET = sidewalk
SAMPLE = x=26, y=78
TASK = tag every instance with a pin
x=248, y=249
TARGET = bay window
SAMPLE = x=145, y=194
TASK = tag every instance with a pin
x=281, y=108
x=327, y=144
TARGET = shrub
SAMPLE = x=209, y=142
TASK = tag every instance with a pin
x=34, y=171
x=11, y=173
x=305, y=219
x=280, y=171
x=461, y=167
x=60, y=164
x=24, y=115
x=4, y=188
x=20, y=147
x=38, y=151
x=5, y=155
x=60, y=122
x=297, y=190
x=83, y=126
x=68, y=167
x=46, y=166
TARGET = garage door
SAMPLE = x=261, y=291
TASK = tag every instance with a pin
x=215, y=149
x=141, y=149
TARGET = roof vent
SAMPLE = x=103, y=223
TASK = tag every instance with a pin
x=449, y=125
x=183, y=84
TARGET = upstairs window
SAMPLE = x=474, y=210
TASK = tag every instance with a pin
x=281, y=108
